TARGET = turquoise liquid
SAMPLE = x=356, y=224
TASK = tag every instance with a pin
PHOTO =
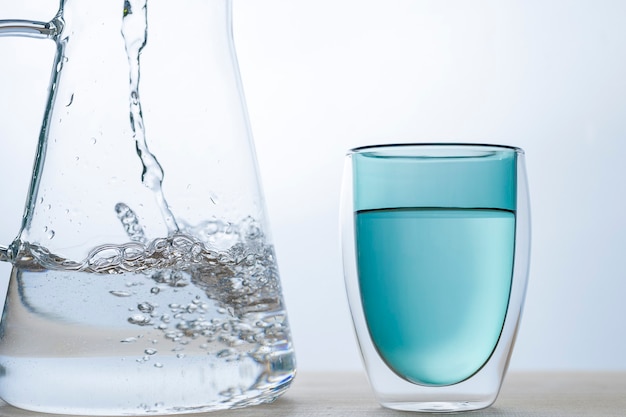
x=435, y=287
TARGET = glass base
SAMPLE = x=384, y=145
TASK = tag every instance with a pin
x=437, y=406
x=120, y=386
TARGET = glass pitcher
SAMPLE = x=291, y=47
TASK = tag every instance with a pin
x=144, y=279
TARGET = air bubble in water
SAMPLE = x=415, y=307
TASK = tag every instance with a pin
x=211, y=228
x=139, y=319
x=225, y=353
x=145, y=307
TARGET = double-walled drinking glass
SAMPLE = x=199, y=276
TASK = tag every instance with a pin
x=436, y=251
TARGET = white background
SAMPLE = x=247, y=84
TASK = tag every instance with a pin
x=323, y=76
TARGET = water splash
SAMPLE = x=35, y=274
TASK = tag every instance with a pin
x=135, y=33
x=130, y=222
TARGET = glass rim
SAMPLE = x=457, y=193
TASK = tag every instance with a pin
x=436, y=145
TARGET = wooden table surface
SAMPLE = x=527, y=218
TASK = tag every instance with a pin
x=548, y=394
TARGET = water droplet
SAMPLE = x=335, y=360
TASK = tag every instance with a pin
x=158, y=365
x=71, y=100
x=150, y=351
x=120, y=293
x=94, y=141
x=130, y=221
x=51, y=234
x=155, y=290
x=129, y=340
x=180, y=355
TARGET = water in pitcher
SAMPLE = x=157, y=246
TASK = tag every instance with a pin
x=120, y=326
x=189, y=322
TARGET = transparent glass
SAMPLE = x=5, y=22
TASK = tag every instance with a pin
x=436, y=251
x=144, y=278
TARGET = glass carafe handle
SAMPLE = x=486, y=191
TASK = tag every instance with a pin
x=28, y=29
x=4, y=254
